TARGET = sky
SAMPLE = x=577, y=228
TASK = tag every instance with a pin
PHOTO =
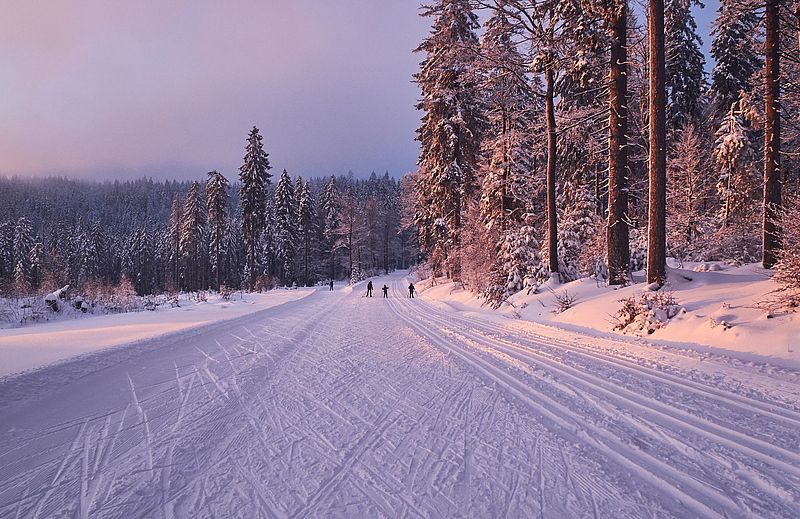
x=169, y=89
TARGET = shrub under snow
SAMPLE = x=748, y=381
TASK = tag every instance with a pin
x=646, y=313
x=787, y=271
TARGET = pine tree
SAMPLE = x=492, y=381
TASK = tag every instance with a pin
x=657, y=163
x=685, y=64
x=735, y=52
x=771, y=208
x=255, y=178
x=285, y=227
x=450, y=133
x=192, y=229
x=216, y=202
x=614, y=14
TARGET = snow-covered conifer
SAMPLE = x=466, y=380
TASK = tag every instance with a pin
x=736, y=52
x=450, y=134
x=306, y=225
x=685, y=63
x=285, y=227
x=216, y=202
x=192, y=233
x=254, y=177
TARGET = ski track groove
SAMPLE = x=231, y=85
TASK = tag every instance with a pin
x=339, y=405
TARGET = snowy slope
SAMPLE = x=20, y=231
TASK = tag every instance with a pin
x=725, y=312
x=35, y=346
x=341, y=405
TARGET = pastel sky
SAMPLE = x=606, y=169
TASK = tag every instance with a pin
x=106, y=89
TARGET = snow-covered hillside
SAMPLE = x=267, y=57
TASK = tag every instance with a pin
x=342, y=405
x=722, y=309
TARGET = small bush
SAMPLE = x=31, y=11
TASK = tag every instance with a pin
x=564, y=301
x=647, y=313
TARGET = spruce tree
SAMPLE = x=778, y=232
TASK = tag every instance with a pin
x=175, y=224
x=6, y=250
x=285, y=227
x=450, y=134
x=216, y=202
x=685, y=64
x=23, y=243
x=254, y=177
x=192, y=229
x=306, y=220
x=735, y=52
x=511, y=105
x=330, y=214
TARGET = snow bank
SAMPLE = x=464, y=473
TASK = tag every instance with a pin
x=724, y=311
x=28, y=348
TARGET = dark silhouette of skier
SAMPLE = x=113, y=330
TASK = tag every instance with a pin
x=411, y=290
x=331, y=285
x=385, y=292
x=369, y=289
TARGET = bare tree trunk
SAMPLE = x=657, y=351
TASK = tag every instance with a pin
x=552, y=224
x=657, y=211
x=617, y=231
x=772, y=136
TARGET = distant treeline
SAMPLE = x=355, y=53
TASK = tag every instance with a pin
x=170, y=235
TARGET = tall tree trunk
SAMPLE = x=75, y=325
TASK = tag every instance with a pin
x=657, y=211
x=552, y=224
x=772, y=136
x=617, y=231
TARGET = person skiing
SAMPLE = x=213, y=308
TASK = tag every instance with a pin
x=385, y=292
x=369, y=289
x=411, y=290
x=331, y=285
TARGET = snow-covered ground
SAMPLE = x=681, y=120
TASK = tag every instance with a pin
x=37, y=345
x=340, y=405
x=725, y=312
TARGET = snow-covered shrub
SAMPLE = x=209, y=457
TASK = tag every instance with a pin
x=646, y=313
x=18, y=311
x=638, y=244
x=479, y=256
x=564, y=301
x=226, y=292
x=787, y=271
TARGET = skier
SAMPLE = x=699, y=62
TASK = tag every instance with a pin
x=385, y=292
x=331, y=285
x=411, y=290
x=369, y=289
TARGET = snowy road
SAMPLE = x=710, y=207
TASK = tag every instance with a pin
x=338, y=405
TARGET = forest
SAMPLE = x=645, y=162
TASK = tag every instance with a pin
x=166, y=236
x=565, y=138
